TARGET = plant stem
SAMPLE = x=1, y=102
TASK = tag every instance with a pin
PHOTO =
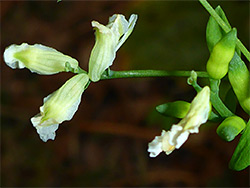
x=149, y=73
x=218, y=105
x=212, y=12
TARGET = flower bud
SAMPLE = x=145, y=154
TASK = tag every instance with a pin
x=230, y=128
x=239, y=78
x=59, y=106
x=109, y=39
x=221, y=55
x=37, y=58
x=198, y=114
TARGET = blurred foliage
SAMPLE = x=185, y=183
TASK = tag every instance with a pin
x=105, y=144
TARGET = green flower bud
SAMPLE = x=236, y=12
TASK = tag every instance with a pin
x=108, y=40
x=230, y=128
x=59, y=106
x=221, y=55
x=178, y=109
x=37, y=58
x=239, y=78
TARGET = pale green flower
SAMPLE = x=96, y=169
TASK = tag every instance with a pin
x=174, y=138
x=109, y=39
x=37, y=58
x=59, y=106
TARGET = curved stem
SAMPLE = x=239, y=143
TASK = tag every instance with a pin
x=212, y=12
x=149, y=73
x=217, y=103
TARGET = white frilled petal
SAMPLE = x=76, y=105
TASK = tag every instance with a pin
x=37, y=58
x=198, y=114
x=109, y=39
x=159, y=144
x=59, y=106
x=130, y=27
x=155, y=147
x=177, y=136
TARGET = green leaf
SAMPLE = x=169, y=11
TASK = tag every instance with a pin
x=213, y=32
x=177, y=109
x=241, y=157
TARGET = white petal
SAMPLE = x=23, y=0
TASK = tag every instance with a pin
x=37, y=58
x=9, y=58
x=103, y=52
x=59, y=106
x=47, y=133
x=166, y=146
x=109, y=39
x=155, y=147
x=131, y=25
x=175, y=131
x=181, y=139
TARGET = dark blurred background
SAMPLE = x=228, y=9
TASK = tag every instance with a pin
x=105, y=144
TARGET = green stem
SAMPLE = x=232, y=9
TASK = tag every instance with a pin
x=212, y=12
x=218, y=105
x=149, y=73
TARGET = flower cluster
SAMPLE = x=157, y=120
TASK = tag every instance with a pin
x=174, y=138
x=62, y=104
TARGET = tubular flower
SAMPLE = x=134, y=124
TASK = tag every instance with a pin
x=59, y=106
x=109, y=39
x=37, y=58
x=174, y=138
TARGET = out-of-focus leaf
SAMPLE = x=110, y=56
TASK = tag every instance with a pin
x=176, y=109
x=241, y=157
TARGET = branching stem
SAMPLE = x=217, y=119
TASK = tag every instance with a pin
x=212, y=12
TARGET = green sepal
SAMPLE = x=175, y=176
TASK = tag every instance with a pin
x=68, y=68
x=222, y=14
x=241, y=156
x=239, y=78
x=177, y=109
x=230, y=128
x=214, y=32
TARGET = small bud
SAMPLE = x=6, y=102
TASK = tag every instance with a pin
x=37, y=58
x=230, y=128
x=221, y=55
x=109, y=39
x=192, y=80
x=59, y=106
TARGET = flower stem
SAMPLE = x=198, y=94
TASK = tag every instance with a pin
x=149, y=73
x=212, y=12
x=218, y=105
